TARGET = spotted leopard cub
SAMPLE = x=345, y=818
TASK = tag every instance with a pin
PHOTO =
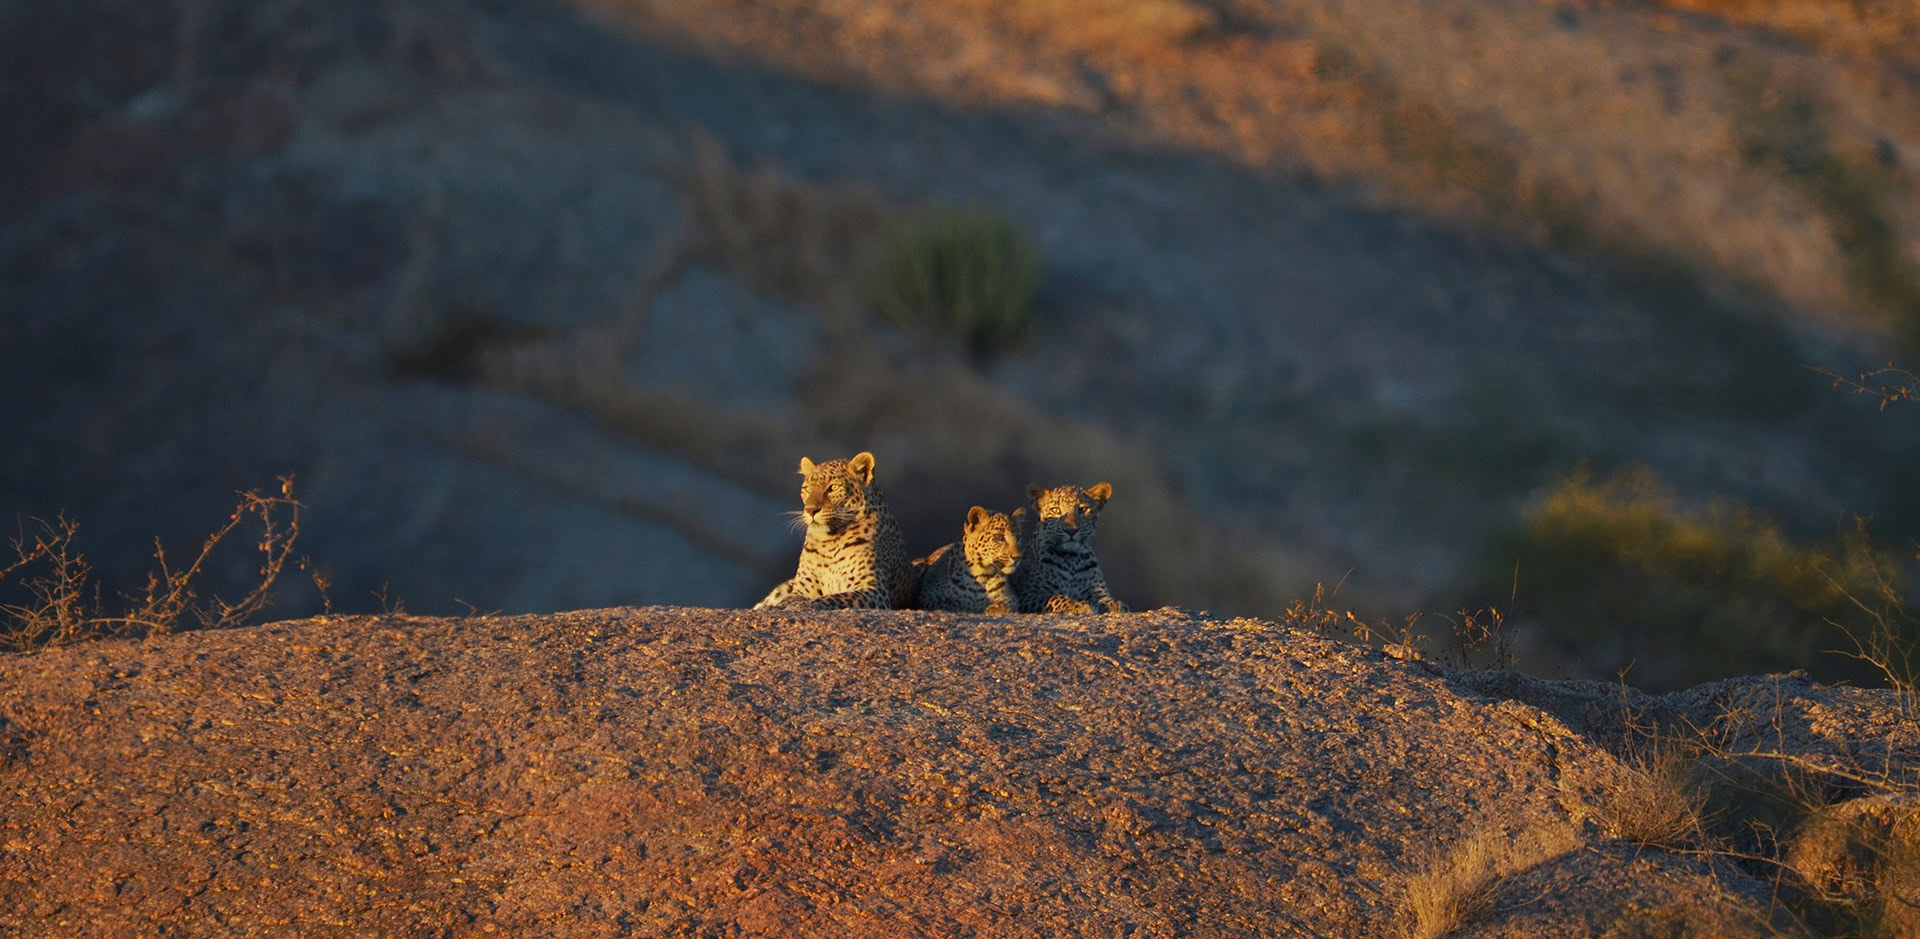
x=974, y=579
x=1058, y=572
x=854, y=556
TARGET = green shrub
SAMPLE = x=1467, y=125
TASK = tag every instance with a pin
x=967, y=273
x=1683, y=593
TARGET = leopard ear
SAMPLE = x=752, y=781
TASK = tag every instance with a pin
x=806, y=466
x=976, y=516
x=1017, y=516
x=1100, y=492
x=862, y=466
x=1034, y=490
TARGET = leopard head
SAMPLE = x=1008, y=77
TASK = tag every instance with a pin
x=992, y=540
x=835, y=494
x=1067, y=513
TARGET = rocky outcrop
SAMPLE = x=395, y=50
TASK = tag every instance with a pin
x=673, y=771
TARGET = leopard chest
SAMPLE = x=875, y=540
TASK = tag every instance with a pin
x=1058, y=566
x=843, y=562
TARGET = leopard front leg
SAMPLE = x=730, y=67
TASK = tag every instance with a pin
x=1061, y=603
x=1103, y=599
x=1001, y=598
x=779, y=595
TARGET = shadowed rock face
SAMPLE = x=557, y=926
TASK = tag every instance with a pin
x=673, y=771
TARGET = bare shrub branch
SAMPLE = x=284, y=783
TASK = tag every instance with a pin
x=1891, y=384
x=63, y=604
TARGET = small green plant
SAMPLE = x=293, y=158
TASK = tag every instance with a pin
x=59, y=603
x=968, y=273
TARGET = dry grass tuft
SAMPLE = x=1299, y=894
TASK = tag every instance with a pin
x=62, y=603
x=1659, y=803
x=1456, y=890
x=1459, y=886
x=1314, y=615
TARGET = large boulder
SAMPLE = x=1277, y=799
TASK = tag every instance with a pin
x=675, y=771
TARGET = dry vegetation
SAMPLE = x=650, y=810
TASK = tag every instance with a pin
x=1890, y=385
x=1660, y=801
x=60, y=602
x=1459, y=885
x=1601, y=127
x=1836, y=834
x=1834, y=829
x=1859, y=864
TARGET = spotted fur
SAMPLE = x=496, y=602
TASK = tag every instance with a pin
x=854, y=556
x=1058, y=571
x=974, y=579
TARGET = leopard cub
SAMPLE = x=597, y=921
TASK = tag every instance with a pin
x=1059, y=572
x=974, y=579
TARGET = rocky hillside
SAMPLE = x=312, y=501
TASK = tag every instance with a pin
x=541, y=300
x=690, y=772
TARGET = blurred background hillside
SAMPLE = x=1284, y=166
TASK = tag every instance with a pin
x=1462, y=302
